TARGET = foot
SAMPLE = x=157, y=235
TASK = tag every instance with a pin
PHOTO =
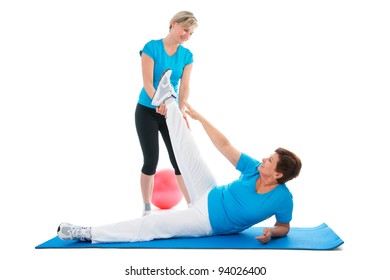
x=67, y=231
x=164, y=89
x=146, y=213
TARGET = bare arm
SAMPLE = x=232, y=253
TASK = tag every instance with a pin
x=279, y=230
x=184, y=88
x=147, y=77
x=147, y=74
x=219, y=140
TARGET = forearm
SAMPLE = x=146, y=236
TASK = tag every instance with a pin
x=150, y=90
x=280, y=230
x=184, y=88
x=184, y=95
x=217, y=138
x=147, y=74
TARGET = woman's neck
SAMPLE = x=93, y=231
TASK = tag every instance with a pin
x=264, y=187
x=170, y=46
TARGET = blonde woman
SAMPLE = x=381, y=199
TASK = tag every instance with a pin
x=157, y=56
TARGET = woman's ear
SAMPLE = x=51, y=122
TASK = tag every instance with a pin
x=278, y=175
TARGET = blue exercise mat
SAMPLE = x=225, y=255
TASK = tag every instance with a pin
x=321, y=237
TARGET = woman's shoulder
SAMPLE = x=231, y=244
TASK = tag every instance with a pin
x=283, y=189
x=154, y=42
x=184, y=49
x=152, y=47
x=246, y=159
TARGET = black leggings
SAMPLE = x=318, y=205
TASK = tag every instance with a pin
x=148, y=124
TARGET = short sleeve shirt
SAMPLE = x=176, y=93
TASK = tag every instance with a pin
x=162, y=61
x=237, y=206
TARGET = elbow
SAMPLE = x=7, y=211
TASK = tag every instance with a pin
x=286, y=229
x=282, y=229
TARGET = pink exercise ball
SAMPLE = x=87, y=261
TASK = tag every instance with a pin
x=166, y=191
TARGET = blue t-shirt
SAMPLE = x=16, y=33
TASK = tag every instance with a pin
x=162, y=61
x=237, y=206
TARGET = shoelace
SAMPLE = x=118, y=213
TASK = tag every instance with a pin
x=172, y=90
x=81, y=233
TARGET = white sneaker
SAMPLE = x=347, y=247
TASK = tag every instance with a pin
x=146, y=213
x=164, y=89
x=68, y=231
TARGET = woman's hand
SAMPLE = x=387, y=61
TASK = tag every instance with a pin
x=279, y=230
x=185, y=118
x=267, y=234
x=162, y=109
x=191, y=111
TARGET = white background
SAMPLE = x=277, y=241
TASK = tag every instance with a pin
x=310, y=76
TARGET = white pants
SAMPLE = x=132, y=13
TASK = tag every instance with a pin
x=191, y=222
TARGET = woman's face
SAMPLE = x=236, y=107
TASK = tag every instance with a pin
x=268, y=166
x=181, y=33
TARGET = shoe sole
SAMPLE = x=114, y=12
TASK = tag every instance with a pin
x=161, y=77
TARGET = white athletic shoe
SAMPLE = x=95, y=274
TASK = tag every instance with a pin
x=146, y=213
x=68, y=231
x=164, y=89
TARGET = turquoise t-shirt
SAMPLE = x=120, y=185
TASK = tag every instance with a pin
x=162, y=61
x=237, y=206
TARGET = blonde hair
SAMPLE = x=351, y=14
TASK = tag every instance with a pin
x=185, y=19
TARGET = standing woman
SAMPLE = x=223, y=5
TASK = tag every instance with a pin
x=157, y=56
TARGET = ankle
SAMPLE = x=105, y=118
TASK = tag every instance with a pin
x=147, y=207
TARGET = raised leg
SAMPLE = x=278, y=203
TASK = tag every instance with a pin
x=196, y=174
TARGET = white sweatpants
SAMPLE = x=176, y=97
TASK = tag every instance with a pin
x=191, y=222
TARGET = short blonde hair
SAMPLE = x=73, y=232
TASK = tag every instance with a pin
x=185, y=19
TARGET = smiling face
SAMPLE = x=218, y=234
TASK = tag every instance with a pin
x=267, y=169
x=181, y=33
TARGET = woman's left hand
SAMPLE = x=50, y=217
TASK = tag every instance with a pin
x=185, y=118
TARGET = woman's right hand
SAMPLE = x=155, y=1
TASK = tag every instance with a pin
x=191, y=111
x=162, y=109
